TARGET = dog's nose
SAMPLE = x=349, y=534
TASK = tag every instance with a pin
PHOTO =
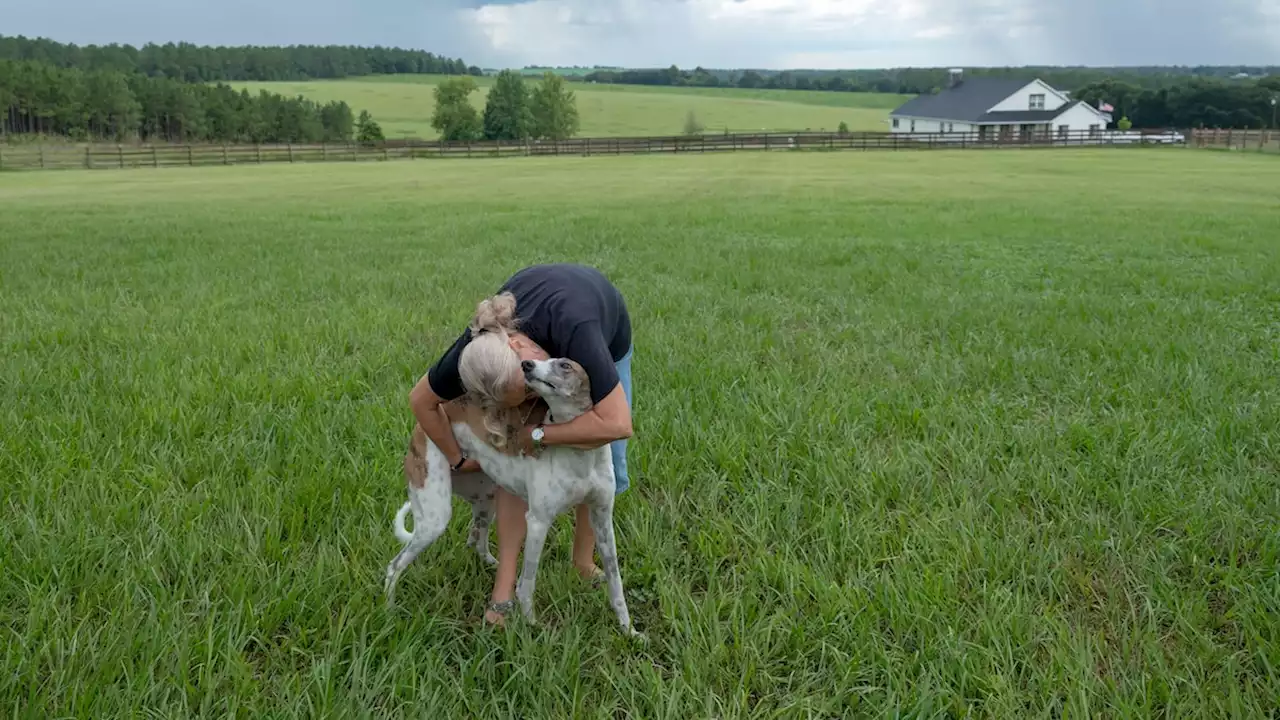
x=527, y=366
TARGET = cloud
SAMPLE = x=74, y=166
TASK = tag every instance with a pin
x=711, y=33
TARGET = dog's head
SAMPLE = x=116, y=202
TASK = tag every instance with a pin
x=562, y=383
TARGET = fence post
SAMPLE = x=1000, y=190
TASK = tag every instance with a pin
x=120, y=152
x=290, y=152
x=88, y=157
x=324, y=151
x=224, y=155
x=155, y=161
x=1, y=157
x=42, y=157
x=384, y=152
x=191, y=161
x=258, y=147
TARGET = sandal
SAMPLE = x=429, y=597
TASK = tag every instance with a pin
x=501, y=609
x=597, y=578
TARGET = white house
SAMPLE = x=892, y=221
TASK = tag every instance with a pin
x=995, y=108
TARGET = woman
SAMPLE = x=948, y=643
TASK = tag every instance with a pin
x=558, y=310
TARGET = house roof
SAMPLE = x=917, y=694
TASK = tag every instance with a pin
x=968, y=101
x=1031, y=116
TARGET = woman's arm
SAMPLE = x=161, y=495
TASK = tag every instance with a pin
x=608, y=420
x=429, y=410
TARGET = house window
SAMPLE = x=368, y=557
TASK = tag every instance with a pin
x=913, y=126
x=1094, y=130
x=1062, y=131
x=895, y=122
x=1037, y=102
x=951, y=127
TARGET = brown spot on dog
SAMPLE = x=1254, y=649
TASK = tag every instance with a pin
x=415, y=463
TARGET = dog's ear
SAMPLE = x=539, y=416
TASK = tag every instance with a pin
x=581, y=387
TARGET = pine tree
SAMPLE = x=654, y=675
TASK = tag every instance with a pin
x=555, y=109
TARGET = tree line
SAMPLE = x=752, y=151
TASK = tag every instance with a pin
x=41, y=98
x=512, y=111
x=913, y=81
x=196, y=63
x=1194, y=102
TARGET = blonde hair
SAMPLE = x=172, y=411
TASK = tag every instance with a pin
x=488, y=363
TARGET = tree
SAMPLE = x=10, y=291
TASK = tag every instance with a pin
x=691, y=124
x=1124, y=124
x=555, y=109
x=368, y=131
x=455, y=118
x=507, y=112
x=750, y=79
x=843, y=129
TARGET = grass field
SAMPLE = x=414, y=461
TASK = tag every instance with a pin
x=916, y=433
x=403, y=104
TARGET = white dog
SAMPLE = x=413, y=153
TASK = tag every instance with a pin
x=558, y=479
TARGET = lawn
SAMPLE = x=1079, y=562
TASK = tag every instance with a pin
x=403, y=105
x=916, y=433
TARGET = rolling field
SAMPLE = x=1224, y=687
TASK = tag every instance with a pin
x=403, y=104
x=916, y=433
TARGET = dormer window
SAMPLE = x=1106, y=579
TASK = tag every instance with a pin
x=1037, y=102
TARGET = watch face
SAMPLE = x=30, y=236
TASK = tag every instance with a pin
x=537, y=434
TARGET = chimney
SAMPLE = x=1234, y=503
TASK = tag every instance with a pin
x=957, y=76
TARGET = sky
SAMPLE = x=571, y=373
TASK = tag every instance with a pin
x=773, y=34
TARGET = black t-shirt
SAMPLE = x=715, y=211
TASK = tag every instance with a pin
x=571, y=311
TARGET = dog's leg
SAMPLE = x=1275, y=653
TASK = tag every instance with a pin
x=536, y=527
x=481, y=515
x=478, y=490
x=602, y=524
x=431, y=500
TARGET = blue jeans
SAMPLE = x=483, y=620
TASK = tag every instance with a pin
x=619, y=447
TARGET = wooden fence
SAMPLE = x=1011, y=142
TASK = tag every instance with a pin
x=1250, y=140
x=101, y=156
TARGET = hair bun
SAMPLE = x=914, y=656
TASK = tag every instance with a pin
x=496, y=314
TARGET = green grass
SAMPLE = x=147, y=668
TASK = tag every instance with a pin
x=916, y=433
x=403, y=104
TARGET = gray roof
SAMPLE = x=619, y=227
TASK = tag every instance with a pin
x=1028, y=116
x=970, y=100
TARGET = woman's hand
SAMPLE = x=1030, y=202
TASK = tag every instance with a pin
x=469, y=465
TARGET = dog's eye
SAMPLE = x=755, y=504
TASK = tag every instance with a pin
x=565, y=366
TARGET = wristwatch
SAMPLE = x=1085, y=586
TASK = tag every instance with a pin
x=461, y=459
x=536, y=435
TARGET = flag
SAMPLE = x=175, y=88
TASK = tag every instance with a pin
x=1105, y=107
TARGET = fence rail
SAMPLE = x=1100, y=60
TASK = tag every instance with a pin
x=103, y=156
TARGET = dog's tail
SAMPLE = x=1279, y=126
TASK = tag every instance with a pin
x=403, y=535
